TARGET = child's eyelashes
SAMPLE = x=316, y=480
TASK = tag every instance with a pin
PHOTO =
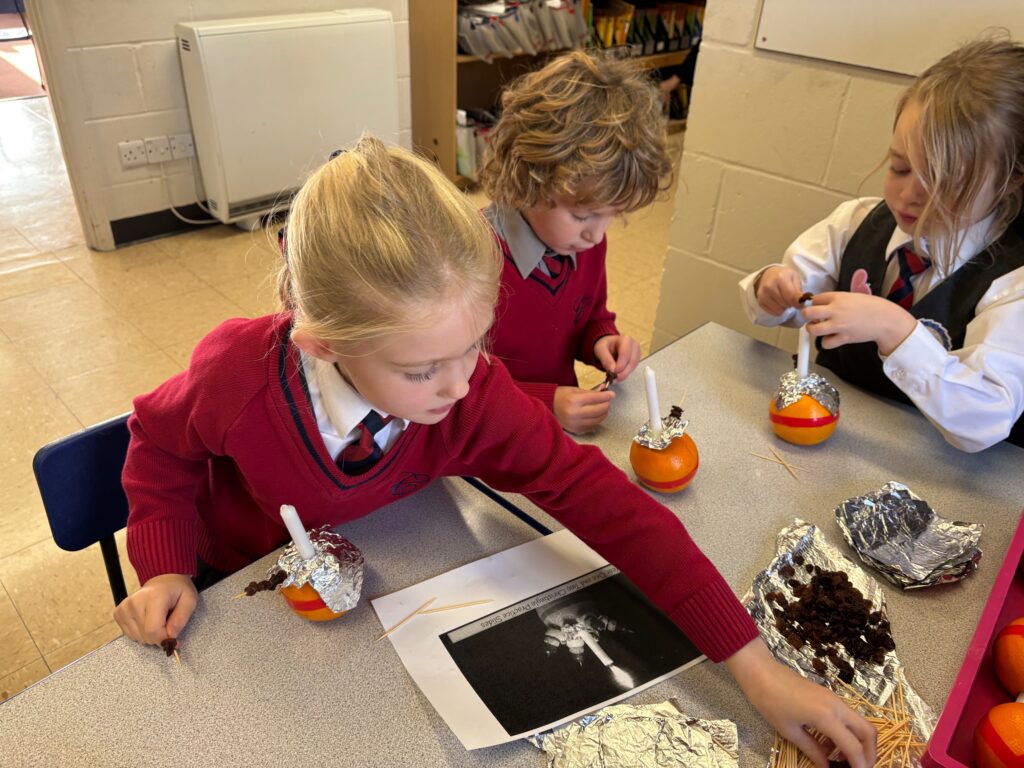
x=419, y=378
x=581, y=219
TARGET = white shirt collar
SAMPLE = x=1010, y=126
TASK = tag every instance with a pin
x=343, y=406
x=976, y=239
x=524, y=246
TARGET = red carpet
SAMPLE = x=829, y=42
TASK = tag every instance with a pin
x=19, y=68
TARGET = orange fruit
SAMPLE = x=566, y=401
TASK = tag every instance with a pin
x=805, y=422
x=306, y=602
x=1008, y=656
x=999, y=737
x=668, y=470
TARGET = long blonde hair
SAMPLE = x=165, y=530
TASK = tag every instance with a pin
x=377, y=238
x=972, y=136
x=584, y=126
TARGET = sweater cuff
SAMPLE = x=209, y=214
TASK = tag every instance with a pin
x=165, y=546
x=715, y=621
x=539, y=391
x=590, y=338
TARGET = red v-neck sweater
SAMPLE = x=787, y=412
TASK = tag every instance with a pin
x=217, y=449
x=539, y=335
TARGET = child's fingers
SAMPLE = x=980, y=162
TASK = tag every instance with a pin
x=585, y=398
x=791, y=290
x=773, y=303
x=126, y=619
x=606, y=357
x=181, y=614
x=803, y=741
x=154, y=622
x=866, y=734
x=628, y=361
x=857, y=750
x=817, y=313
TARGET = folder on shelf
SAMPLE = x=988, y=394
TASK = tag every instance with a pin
x=489, y=30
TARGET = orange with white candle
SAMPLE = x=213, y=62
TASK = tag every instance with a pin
x=325, y=572
x=805, y=409
x=662, y=455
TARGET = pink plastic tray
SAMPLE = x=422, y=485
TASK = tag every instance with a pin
x=976, y=689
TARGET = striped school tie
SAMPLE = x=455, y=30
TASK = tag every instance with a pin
x=360, y=456
x=558, y=266
x=902, y=291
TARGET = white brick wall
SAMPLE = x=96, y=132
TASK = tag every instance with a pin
x=773, y=144
x=113, y=74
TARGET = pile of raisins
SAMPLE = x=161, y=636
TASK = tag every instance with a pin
x=828, y=613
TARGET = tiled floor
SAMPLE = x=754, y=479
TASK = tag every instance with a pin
x=82, y=332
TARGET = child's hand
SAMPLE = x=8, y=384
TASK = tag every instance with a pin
x=792, y=703
x=841, y=318
x=579, y=410
x=160, y=609
x=618, y=354
x=778, y=289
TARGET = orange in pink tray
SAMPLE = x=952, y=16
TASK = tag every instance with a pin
x=1008, y=656
x=308, y=604
x=999, y=737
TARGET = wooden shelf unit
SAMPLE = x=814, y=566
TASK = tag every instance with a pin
x=442, y=80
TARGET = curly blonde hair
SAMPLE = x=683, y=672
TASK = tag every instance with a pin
x=972, y=135
x=584, y=126
x=379, y=242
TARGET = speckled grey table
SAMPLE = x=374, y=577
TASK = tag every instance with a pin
x=249, y=665
x=259, y=686
x=737, y=503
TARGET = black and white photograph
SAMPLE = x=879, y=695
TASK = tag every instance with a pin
x=529, y=639
x=567, y=649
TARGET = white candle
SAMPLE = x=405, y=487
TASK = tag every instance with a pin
x=591, y=642
x=298, y=531
x=803, y=352
x=653, y=411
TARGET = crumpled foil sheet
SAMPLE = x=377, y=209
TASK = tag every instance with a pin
x=646, y=736
x=671, y=428
x=903, y=538
x=875, y=683
x=335, y=571
x=792, y=386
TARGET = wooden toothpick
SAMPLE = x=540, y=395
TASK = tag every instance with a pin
x=781, y=461
x=457, y=605
x=789, y=467
x=396, y=626
x=423, y=609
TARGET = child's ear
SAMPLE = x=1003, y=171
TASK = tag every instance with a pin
x=312, y=346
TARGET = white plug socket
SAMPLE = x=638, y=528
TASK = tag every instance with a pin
x=132, y=153
x=181, y=146
x=158, y=149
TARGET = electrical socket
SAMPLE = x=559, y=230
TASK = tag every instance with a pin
x=158, y=149
x=132, y=153
x=181, y=146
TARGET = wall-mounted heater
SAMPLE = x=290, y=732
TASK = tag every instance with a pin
x=271, y=97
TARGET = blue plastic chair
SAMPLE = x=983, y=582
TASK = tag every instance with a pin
x=79, y=479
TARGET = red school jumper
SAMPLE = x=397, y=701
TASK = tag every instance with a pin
x=539, y=334
x=217, y=449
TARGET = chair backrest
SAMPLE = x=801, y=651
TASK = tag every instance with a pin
x=79, y=479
